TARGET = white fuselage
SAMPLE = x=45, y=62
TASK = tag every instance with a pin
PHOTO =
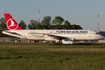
x=63, y=36
x=45, y=34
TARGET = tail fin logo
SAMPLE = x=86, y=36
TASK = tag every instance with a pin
x=11, y=24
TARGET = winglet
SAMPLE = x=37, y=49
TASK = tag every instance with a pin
x=11, y=23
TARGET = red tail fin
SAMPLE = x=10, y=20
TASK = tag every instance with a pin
x=11, y=23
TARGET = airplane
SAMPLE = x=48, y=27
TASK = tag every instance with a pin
x=63, y=36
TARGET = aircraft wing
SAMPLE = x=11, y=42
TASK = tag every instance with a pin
x=65, y=40
x=56, y=36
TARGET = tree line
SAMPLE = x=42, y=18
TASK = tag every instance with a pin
x=57, y=23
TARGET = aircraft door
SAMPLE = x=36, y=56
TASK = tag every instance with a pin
x=89, y=35
x=23, y=35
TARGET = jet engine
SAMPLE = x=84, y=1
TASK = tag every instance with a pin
x=68, y=41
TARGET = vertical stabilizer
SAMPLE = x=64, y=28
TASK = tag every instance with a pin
x=11, y=23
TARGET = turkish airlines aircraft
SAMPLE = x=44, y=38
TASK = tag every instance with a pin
x=64, y=36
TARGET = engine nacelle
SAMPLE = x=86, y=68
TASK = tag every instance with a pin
x=68, y=41
x=50, y=39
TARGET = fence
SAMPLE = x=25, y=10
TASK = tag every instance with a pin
x=12, y=39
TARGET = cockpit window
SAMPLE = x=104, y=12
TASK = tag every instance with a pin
x=97, y=33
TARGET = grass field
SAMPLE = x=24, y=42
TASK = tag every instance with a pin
x=46, y=56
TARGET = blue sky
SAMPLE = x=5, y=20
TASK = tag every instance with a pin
x=79, y=12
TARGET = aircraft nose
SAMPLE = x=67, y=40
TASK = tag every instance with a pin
x=102, y=37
